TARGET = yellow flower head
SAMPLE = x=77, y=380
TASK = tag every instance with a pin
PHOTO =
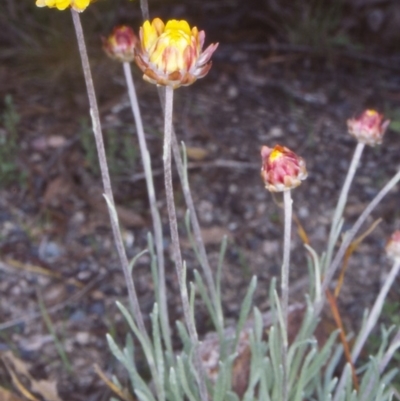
x=77, y=5
x=171, y=54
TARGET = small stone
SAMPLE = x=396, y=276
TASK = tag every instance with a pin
x=49, y=251
x=82, y=338
x=261, y=208
x=129, y=238
x=233, y=92
x=56, y=141
x=205, y=209
x=78, y=316
x=270, y=247
x=97, y=308
x=303, y=212
x=275, y=132
x=232, y=226
x=233, y=189
x=84, y=275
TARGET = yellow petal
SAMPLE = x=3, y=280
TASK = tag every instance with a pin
x=275, y=154
x=63, y=4
x=175, y=25
x=80, y=5
x=195, y=32
x=41, y=3
x=150, y=33
x=157, y=56
x=158, y=25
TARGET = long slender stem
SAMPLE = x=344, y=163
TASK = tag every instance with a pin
x=287, y=200
x=144, y=5
x=373, y=317
x=157, y=227
x=193, y=218
x=375, y=311
x=176, y=251
x=342, y=201
x=350, y=235
x=133, y=299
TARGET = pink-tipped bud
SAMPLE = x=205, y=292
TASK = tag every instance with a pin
x=281, y=168
x=393, y=246
x=368, y=128
x=120, y=45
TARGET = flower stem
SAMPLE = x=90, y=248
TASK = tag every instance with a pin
x=157, y=227
x=375, y=311
x=342, y=201
x=94, y=111
x=350, y=235
x=373, y=317
x=287, y=200
x=176, y=251
x=194, y=220
x=144, y=5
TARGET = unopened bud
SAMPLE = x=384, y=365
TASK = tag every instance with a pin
x=281, y=168
x=368, y=128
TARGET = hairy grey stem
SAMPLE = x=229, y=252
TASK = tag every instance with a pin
x=287, y=200
x=373, y=317
x=133, y=299
x=144, y=5
x=176, y=251
x=375, y=311
x=193, y=217
x=342, y=201
x=157, y=227
x=350, y=235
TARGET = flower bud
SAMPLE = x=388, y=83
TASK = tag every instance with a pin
x=393, y=246
x=77, y=5
x=281, y=168
x=120, y=45
x=368, y=128
x=171, y=54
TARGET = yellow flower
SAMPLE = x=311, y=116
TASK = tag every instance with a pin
x=77, y=5
x=281, y=168
x=171, y=54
